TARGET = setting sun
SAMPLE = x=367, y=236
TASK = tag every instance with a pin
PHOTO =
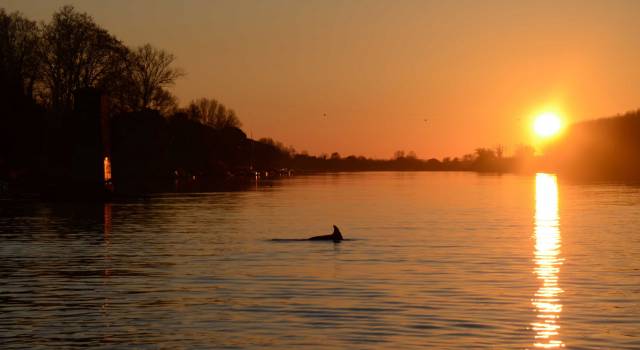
x=547, y=124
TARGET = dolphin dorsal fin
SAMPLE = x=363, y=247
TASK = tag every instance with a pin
x=336, y=232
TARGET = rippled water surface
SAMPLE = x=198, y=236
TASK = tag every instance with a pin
x=437, y=260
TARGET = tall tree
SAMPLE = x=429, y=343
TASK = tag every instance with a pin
x=152, y=72
x=20, y=54
x=78, y=54
x=20, y=119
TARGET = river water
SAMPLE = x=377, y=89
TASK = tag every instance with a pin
x=434, y=260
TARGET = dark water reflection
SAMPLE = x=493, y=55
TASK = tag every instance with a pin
x=441, y=261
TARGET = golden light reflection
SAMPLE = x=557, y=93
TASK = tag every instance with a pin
x=106, y=303
x=107, y=221
x=547, y=264
x=107, y=236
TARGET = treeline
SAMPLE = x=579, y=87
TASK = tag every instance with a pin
x=44, y=67
x=482, y=160
x=600, y=149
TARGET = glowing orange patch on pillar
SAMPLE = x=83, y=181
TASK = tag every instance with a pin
x=107, y=169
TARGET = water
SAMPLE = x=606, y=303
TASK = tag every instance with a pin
x=438, y=260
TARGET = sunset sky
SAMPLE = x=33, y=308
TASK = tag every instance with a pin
x=477, y=71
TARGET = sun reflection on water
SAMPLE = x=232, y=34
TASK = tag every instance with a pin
x=547, y=264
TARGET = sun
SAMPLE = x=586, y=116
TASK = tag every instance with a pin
x=547, y=124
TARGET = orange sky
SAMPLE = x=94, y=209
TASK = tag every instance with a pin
x=477, y=70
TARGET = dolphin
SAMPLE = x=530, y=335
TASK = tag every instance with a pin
x=336, y=236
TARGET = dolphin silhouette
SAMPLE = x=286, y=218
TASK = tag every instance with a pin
x=336, y=236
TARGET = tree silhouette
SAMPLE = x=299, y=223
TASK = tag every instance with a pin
x=213, y=113
x=398, y=154
x=21, y=120
x=79, y=54
x=20, y=63
x=151, y=73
